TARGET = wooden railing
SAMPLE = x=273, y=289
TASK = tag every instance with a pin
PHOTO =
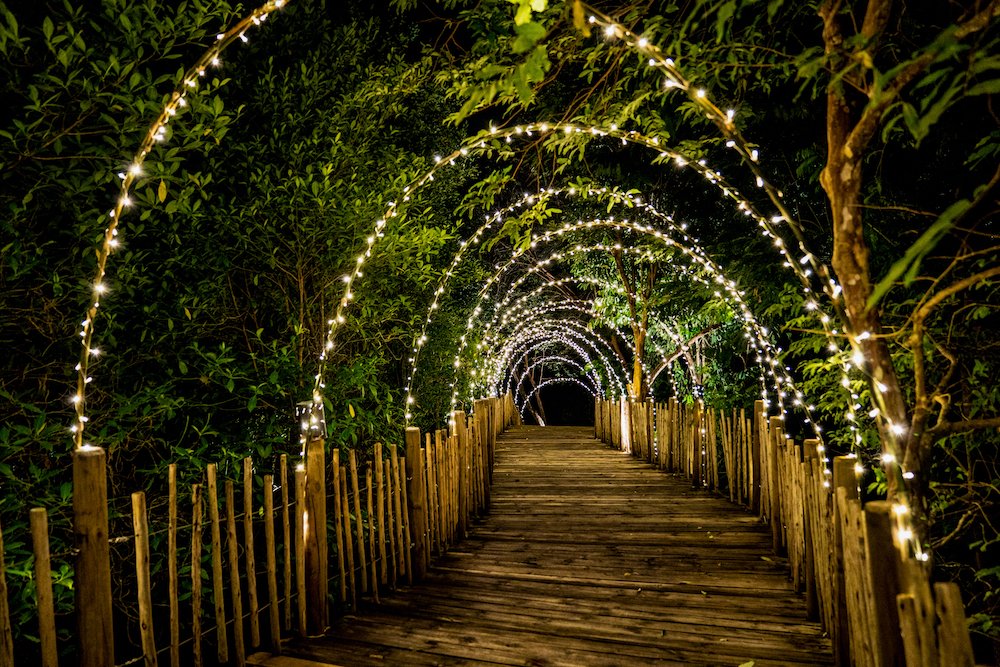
x=277, y=556
x=872, y=596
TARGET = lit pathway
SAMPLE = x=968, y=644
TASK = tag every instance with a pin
x=588, y=557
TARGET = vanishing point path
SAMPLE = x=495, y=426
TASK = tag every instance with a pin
x=588, y=557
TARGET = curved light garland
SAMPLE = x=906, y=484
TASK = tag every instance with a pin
x=157, y=133
x=559, y=380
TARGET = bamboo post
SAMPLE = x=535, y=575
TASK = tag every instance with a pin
x=300, y=548
x=755, y=454
x=390, y=520
x=197, y=512
x=808, y=529
x=882, y=559
x=286, y=545
x=352, y=587
x=173, y=591
x=774, y=514
x=316, y=556
x=271, y=565
x=251, y=560
x=402, y=547
x=380, y=513
x=359, y=525
x=372, y=552
x=404, y=517
x=431, y=491
x=440, y=482
x=39, y=521
x=417, y=497
x=95, y=634
x=143, y=588
x=6, y=631
x=221, y=638
x=140, y=532
x=235, y=591
x=459, y=420
x=697, y=440
x=339, y=512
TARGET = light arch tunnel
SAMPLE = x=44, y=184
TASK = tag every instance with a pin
x=529, y=313
x=496, y=143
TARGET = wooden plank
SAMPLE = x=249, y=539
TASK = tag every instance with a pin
x=39, y=520
x=568, y=569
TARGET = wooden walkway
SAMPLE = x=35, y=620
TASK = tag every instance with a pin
x=588, y=557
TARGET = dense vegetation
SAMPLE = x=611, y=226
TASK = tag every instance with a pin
x=246, y=221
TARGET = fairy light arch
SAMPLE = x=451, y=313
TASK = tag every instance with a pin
x=515, y=387
x=675, y=79
x=753, y=328
x=541, y=343
x=130, y=176
x=563, y=330
x=551, y=381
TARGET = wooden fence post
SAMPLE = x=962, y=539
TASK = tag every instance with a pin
x=882, y=559
x=777, y=437
x=173, y=592
x=6, y=632
x=271, y=560
x=459, y=425
x=250, y=558
x=417, y=497
x=141, y=533
x=95, y=634
x=845, y=478
x=755, y=461
x=39, y=521
x=315, y=537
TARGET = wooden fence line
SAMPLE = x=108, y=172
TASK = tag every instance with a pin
x=874, y=599
x=387, y=520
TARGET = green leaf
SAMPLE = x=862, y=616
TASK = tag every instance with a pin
x=161, y=192
x=527, y=35
x=523, y=14
x=47, y=29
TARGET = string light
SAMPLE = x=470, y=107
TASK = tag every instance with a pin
x=157, y=132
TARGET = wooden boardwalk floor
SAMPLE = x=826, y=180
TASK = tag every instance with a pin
x=588, y=557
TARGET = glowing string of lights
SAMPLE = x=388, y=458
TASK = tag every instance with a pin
x=157, y=133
